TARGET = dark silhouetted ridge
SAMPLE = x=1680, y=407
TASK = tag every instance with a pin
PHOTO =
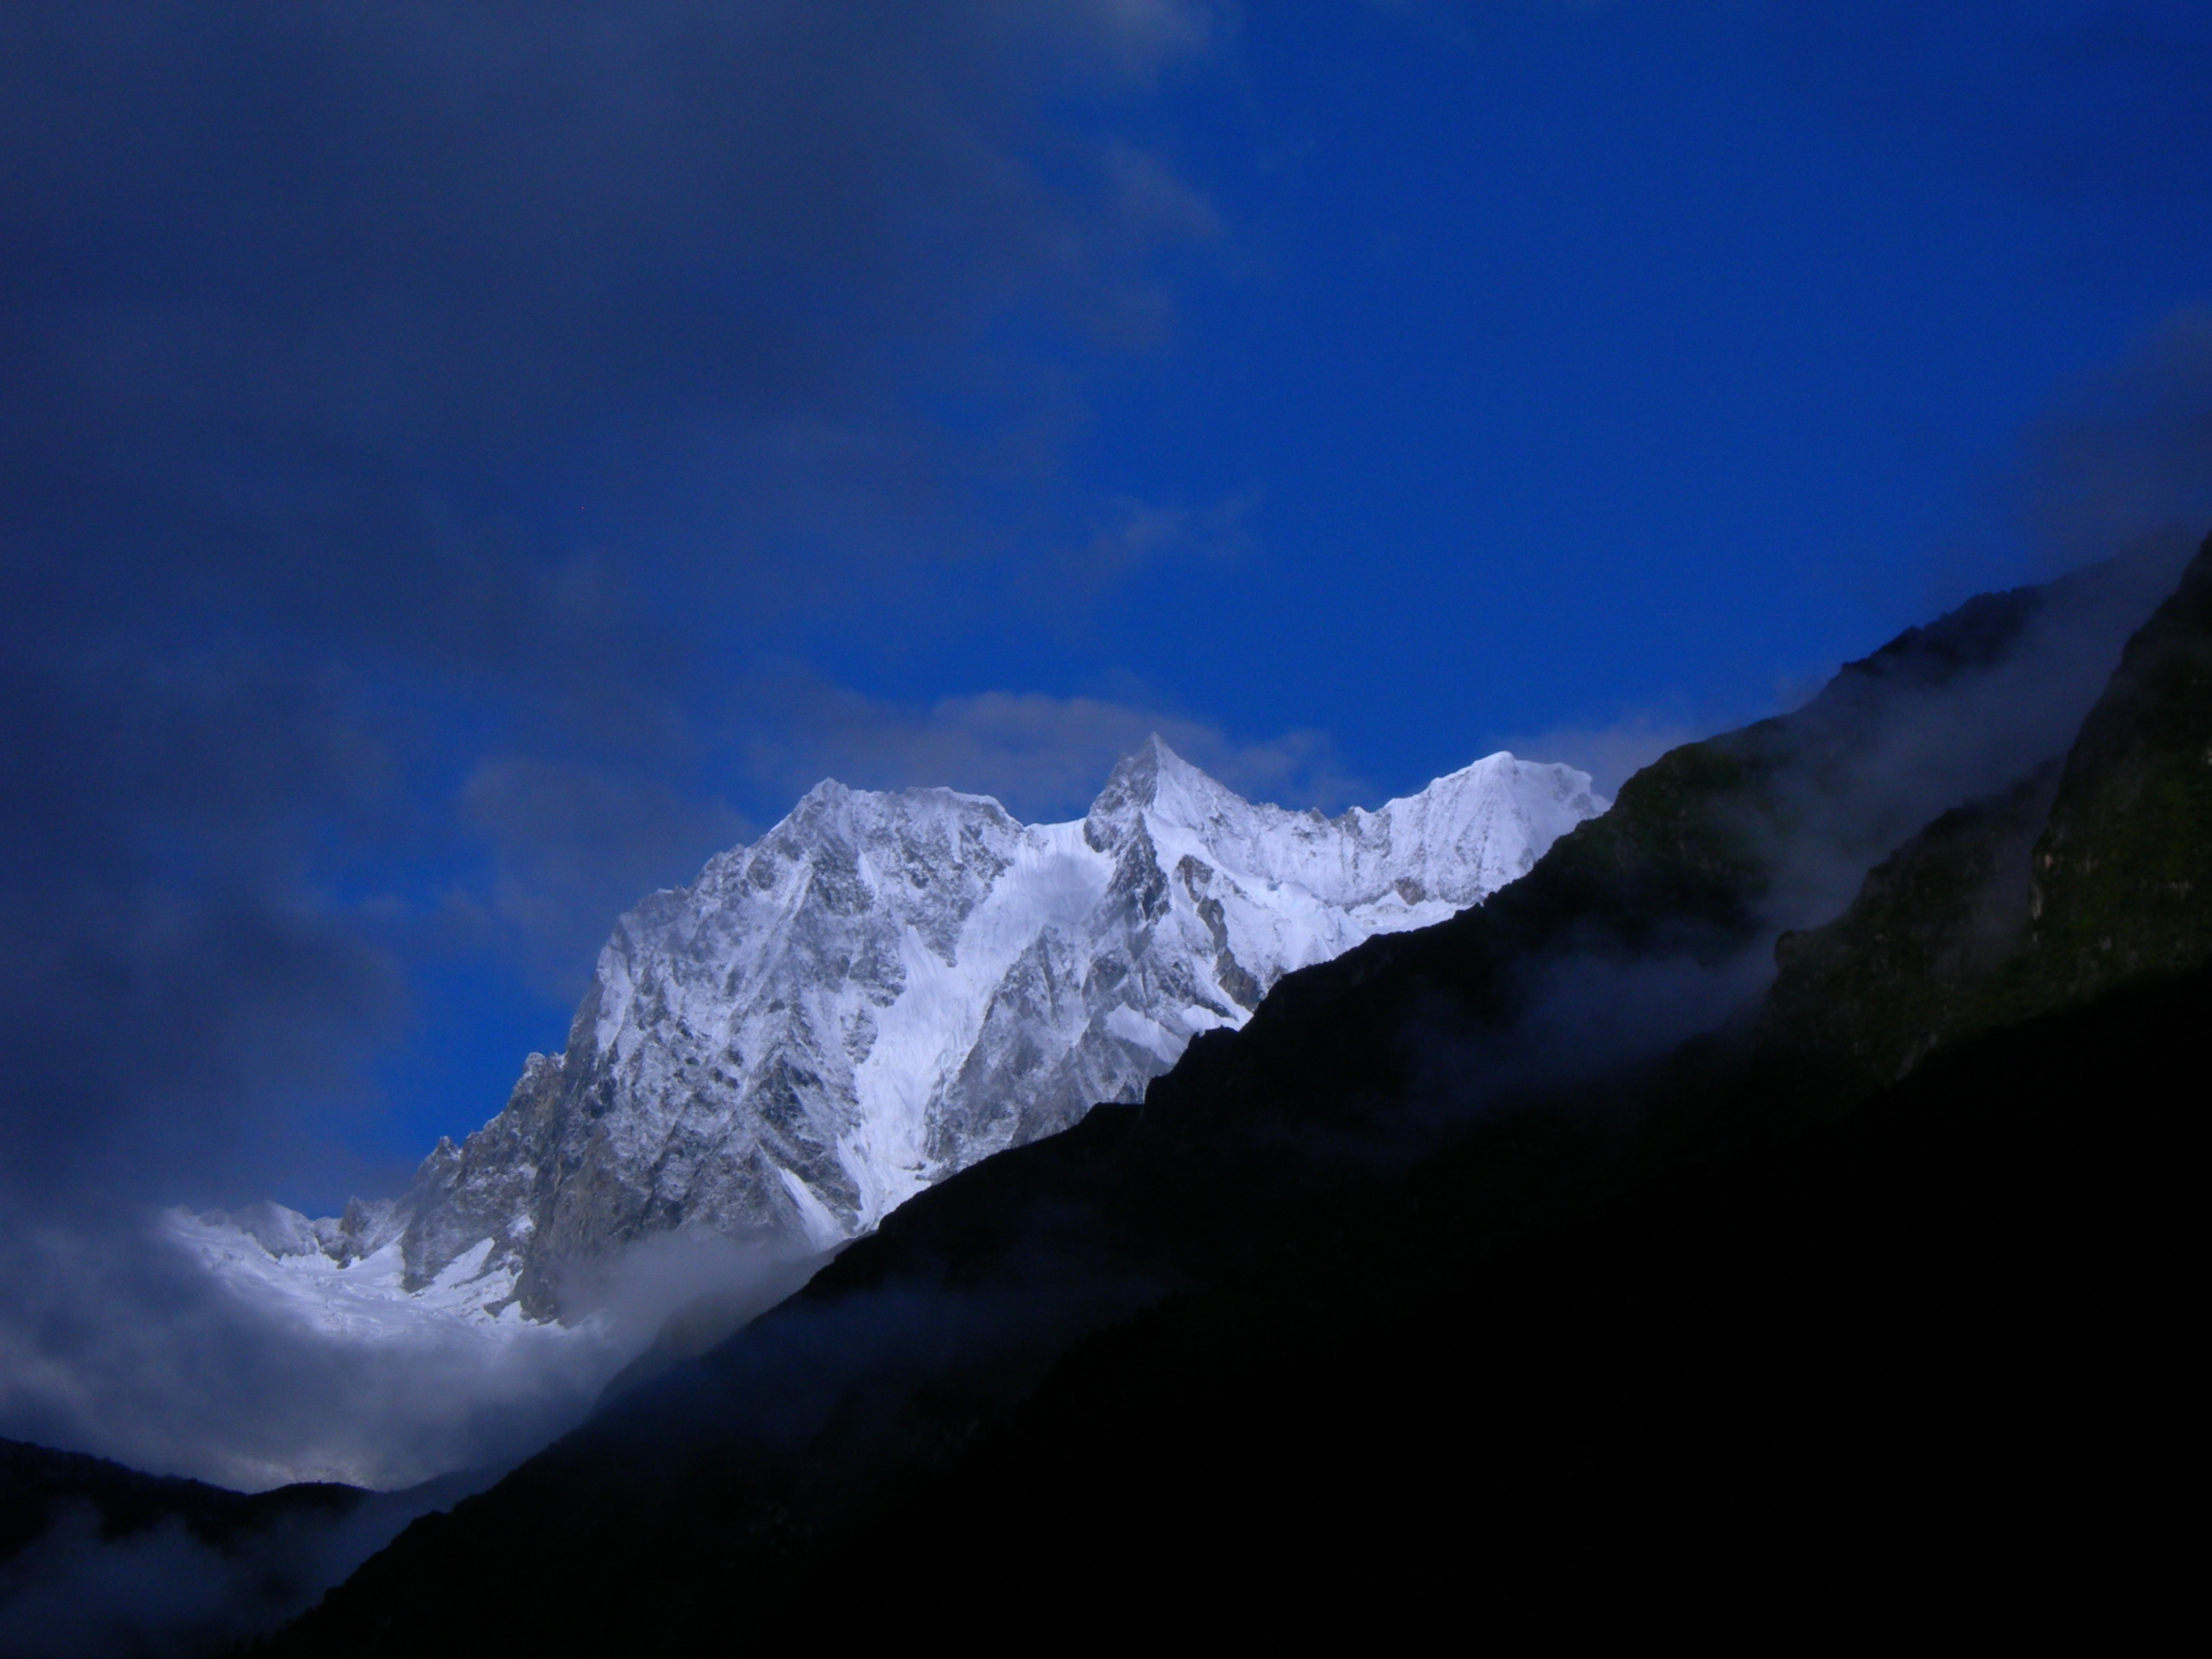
x=1556, y=1267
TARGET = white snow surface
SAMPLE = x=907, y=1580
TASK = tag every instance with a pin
x=882, y=990
x=365, y=1299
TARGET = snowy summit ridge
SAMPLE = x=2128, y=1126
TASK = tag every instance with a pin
x=887, y=988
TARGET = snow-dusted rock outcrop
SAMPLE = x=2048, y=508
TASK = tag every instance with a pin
x=889, y=986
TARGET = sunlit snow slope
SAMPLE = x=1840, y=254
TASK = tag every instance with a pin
x=887, y=988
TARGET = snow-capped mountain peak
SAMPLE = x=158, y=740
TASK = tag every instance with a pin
x=887, y=987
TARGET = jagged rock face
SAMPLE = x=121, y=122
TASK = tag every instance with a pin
x=887, y=988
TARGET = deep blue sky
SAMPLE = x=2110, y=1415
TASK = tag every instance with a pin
x=1571, y=363
x=467, y=464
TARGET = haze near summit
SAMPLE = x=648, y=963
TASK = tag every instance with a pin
x=465, y=465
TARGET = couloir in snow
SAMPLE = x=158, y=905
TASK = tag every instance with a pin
x=882, y=990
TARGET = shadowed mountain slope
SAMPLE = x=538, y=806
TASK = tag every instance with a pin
x=2082, y=876
x=1923, y=1358
x=1528, y=1266
x=99, y=1559
x=37, y=1485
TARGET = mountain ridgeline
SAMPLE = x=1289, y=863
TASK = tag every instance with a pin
x=1770, y=1210
x=887, y=988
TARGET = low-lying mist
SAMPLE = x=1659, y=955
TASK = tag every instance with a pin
x=123, y=1345
x=145, y=1356
x=162, y=1590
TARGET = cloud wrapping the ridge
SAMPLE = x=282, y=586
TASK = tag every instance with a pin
x=121, y=1341
x=200, y=1380
x=208, y=1380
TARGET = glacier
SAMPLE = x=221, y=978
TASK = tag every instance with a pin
x=882, y=990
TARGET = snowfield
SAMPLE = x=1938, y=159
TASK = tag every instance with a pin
x=882, y=990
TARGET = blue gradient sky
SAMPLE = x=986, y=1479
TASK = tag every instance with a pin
x=1345, y=389
x=1557, y=364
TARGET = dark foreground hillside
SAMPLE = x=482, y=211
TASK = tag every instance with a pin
x=38, y=1486
x=96, y=1557
x=1926, y=1361
x=1932, y=1356
x=1555, y=1267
